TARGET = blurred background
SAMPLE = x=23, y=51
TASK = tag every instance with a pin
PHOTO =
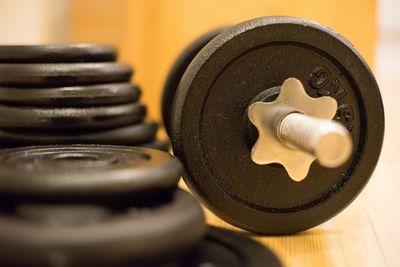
x=150, y=34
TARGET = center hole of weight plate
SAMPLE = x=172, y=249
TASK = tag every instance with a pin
x=84, y=159
x=76, y=157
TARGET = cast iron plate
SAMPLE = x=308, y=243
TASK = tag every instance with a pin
x=176, y=72
x=209, y=123
x=71, y=118
x=90, y=235
x=221, y=247
x=86, y=171
x=73, y=96
x=157, y=144
x=73, y=53
x=126, y=135
x=72, y=74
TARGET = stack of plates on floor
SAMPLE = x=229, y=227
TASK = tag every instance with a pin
x=98, y=205
x=70, y=94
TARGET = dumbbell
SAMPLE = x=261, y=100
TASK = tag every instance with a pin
x=278, y=121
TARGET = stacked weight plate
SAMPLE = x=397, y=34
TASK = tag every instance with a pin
x=68, y=94
x=98, y=205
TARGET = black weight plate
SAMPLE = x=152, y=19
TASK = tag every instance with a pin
x=86, y=171
x=73, y=53
x=209, y=129
x=71, y=118
x=176, y=72
x=157, y=144
x=89, y=235
x=79, y=96
x=73, y=74
x=221, y=247
x=127, y=135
